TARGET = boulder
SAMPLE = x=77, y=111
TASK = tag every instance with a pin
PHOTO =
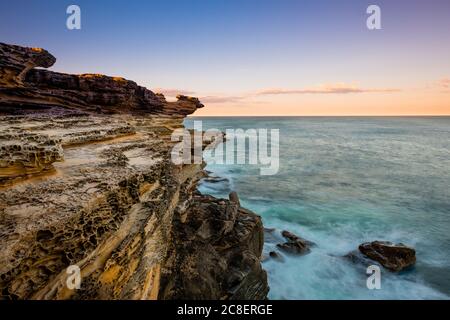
x=292, y=237
x=276, y=256
x=394, y=257
x=296, y=247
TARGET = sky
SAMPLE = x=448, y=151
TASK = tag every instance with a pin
x=254, y=57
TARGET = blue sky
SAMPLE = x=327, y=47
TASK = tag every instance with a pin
x=231, y=48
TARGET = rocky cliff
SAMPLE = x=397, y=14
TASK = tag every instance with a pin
x=86, y=180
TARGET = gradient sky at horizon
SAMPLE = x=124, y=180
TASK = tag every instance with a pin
x=255, y=57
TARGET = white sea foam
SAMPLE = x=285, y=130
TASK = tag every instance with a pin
x=342, y=183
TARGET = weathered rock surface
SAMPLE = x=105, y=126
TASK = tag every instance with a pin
x=394, y=257
x=17, y=61
x=82, y=187
x=218, y=256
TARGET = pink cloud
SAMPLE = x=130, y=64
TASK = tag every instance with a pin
x=222, y=99
x=340, y=88
x=173, y=92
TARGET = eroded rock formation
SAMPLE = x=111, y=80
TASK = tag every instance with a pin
x=22, y=87
x=86, y=180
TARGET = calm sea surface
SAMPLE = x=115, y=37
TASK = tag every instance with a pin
x=344, y=181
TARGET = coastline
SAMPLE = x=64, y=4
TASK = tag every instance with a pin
x=348, y=182
x=119, y=218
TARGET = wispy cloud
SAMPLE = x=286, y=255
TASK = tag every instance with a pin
x=173, y=92
x=223, y=99
x=339, y=88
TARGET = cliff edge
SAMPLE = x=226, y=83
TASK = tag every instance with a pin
x=86, y=180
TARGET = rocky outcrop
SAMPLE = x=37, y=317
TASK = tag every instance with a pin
x=86, y=180
x=216, y=254
x=17, y=61
x=23, y=88
x=394, y=257
x=278, y=244
x=294, y=244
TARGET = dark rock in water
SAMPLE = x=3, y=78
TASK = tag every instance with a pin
x=394, y=257
x=276, y=256
x=294, y=238
x=214, y=179
x=296, y=247
x=295, y=244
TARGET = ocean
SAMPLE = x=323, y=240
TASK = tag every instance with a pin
x=343, y=181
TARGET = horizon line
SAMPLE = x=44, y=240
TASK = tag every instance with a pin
x=317, y=116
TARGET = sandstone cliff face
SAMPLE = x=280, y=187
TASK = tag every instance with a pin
x=86, y=180
x=22, y=87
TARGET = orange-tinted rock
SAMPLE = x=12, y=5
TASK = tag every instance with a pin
x=114, y=205
x=16, y=61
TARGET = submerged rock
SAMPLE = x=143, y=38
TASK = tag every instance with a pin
x=296, y=247
x=292, y=237
x=394, y=257
x=295, y=244
x=275, y=255
x=214, y=179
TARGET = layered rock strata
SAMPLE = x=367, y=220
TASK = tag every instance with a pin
x=22, y=88
x=86, y=180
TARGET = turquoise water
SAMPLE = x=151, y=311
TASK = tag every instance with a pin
x=344, y=181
